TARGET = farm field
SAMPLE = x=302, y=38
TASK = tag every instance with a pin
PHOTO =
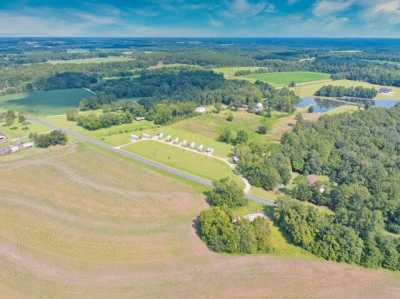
x=108, y=59
x=229, y=72
x=309, y=89
x=44, y=102
x=280, y=79
x=201, y=165
x=100, y=227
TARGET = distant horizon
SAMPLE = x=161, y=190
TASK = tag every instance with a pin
x=194, y=19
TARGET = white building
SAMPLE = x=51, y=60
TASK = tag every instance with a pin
x=193, y=145
x=200, y=109
x=252, y=217
x=200, y=148
x=27, y=145
x=176, y=140
x=184, y=143
x=210, y=151
x=134, y=137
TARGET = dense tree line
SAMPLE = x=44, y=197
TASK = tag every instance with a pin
x=331, y=237
x=66, y=80
x=342, y=91
x=94, y=122
x=359, y=152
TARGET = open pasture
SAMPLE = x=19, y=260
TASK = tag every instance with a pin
x=88, y=225
x=45, y=102
x=229, y=72
x=280, y=79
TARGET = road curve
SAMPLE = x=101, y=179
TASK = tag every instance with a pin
x=171, y=170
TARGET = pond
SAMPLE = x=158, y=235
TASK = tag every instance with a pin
x=325, y=105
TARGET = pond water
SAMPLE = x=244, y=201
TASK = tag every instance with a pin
x=324, y=105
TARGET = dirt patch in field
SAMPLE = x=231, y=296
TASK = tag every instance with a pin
x=83, y=225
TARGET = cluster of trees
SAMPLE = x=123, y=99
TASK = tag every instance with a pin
x=230, y=136
x=284, y=99
x=331, y=237
x=94, y=122
x=359, y=152
x=342, y=91
x=167, y=112
x=56, y=137
x=223, y=232
x=264, y=165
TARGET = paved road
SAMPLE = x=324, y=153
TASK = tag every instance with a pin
x=177, y=172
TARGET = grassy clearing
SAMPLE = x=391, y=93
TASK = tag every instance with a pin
x=309, y=89
x=229, y=72
x=284, y=78
x=44, y=102
x=108, y=59
x=17, y=130
x=203, y=166
x=116, y=135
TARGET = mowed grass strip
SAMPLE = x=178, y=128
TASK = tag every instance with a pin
x=197, y=164
x=284, y=78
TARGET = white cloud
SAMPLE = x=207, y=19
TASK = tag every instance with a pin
x=382, y=11
x=327, y=7
x=246, y=9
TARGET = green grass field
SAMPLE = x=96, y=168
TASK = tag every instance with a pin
x=284, y=78
x=229, y=72
x=44, y=102
x=18, y=130
x=309, y=89
x=116, y=135
x=203, y=166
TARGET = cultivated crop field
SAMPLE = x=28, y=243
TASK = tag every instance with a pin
x=91, y=225
x=279, y=79
x=45, y=102
x=229, y=72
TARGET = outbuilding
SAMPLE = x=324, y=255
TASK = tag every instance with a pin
x=200, y=109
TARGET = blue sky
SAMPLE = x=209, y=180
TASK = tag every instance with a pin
x=189, y=18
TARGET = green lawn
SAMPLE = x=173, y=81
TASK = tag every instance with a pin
x=203, y=166
x=284, y=78
x=44, y=102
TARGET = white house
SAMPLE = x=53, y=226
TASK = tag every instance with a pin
x=193, y=145
x=176, y=140
x=252, y=217
x=134, y=137
x=200, y=148
x=14, y=148
x=200, y=109
x=259, y=107
x=146, y=136
x=210, y=151
x=184, y=143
